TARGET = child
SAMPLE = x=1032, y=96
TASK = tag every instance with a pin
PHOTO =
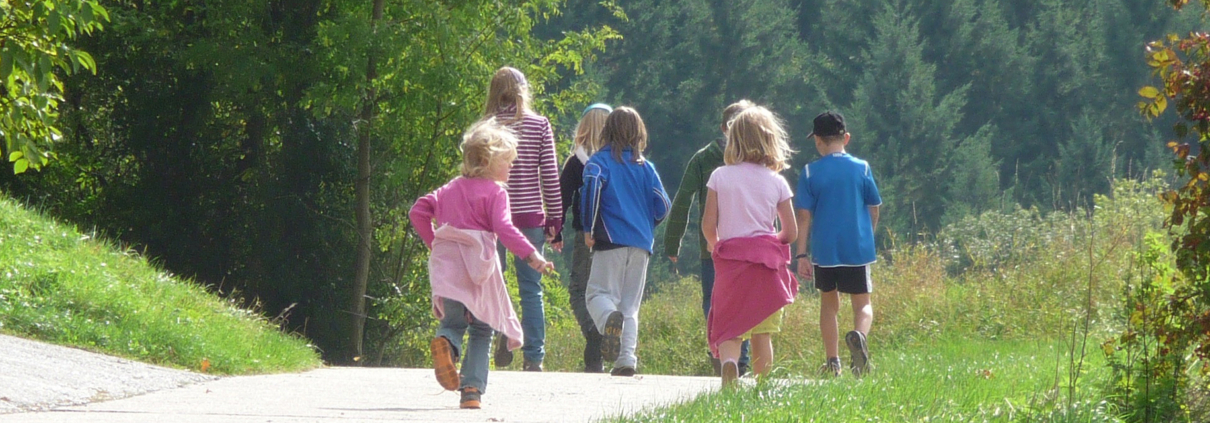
x=837, y=206
x=533, y=189
x=693, y=183
x=623, y=201
x=747, y=198
x=588, y=140
x=468, y=288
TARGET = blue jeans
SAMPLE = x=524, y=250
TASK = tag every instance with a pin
x=454, y=325
x=529, y=286
x=707, y=293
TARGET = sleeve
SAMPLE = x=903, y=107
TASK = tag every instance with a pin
x=421, y=216
x=569, y=183
x=660, y=205
x=549, y=164
x=590, y=195
x=502, y=226
x=783, y=189
x=678, y=217
x=869, y=189
x=803, y=199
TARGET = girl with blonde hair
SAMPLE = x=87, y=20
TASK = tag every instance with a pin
x=747, y=199
x=537, y=209
x=461, y=223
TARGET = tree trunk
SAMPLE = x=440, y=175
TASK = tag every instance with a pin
x=365, y=233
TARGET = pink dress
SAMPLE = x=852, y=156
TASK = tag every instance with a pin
x=752, y=281
x=469, y=214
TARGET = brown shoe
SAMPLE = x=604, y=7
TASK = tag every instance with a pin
x=532, y=366
x=470, y=398
x=503, y=356
x=611, y=337
x=443, y=363
x=730, y=374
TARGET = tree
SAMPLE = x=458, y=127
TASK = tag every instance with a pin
x=35, y=46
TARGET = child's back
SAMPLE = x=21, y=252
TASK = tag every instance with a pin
x=838, y=190
x=624, y=200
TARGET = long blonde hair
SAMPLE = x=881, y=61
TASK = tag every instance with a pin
x=485, y=143
x=624, y=129
x=588, y=130
x=756, y=135
x=508, y=87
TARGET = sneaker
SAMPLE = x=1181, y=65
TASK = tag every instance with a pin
x=503, y=356
x=611, y=337
x=532, y=366
x=470, y=398
x=743, y=369
x=443, y=363
x=859, y=353
x=622, y=371
x=730, y=374
x=831, y=367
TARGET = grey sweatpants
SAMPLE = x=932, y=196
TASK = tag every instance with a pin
x=615, y=283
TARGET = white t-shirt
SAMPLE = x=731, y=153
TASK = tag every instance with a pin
x=748, y=195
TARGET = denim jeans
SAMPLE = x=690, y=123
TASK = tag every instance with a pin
x=707, y=294
x=529, y=286
x=454, y=325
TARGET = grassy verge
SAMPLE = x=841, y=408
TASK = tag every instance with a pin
x=62, y=286
x=951, y=380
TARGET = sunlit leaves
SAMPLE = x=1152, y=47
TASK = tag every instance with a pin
x=35, y=35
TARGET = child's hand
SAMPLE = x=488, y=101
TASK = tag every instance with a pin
x=589, y=241
x=557, y=246
x=806, y=271
x=539, y=263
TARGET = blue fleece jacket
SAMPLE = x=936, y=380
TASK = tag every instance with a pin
x=622, y=202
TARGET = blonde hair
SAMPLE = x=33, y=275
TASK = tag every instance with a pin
x=588, y=130
x=508, y=87
x=485, y=143
x=734, y=109
x=624, y=129
x=756, y=135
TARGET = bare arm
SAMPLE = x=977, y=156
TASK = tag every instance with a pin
x=805, y=271
x=710, y=220
x=789, y=227
x=874, y=217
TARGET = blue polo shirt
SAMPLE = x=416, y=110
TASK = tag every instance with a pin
x=838, y=190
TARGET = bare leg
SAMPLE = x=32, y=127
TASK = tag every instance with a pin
x=762, y=353
x=863, y=313
x=829, y=306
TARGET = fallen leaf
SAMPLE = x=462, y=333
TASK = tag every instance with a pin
x=205, y=365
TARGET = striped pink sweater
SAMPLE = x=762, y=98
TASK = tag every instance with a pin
x=533, y=184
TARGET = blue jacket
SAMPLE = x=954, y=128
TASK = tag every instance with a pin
x=622, y=203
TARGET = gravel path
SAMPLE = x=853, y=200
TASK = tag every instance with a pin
x=76, y=388
x=37, y=376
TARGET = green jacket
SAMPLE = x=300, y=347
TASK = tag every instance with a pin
x=697, y=173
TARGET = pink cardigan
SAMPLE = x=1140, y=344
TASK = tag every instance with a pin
x=464, y=267
x=752, y=281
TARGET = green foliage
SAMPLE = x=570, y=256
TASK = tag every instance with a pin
x=36, y=36
x=63, y=286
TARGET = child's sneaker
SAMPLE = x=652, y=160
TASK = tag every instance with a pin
x=470, y=398
x=444, y=366
x=859, y=353
x=611, y=337
x=730, y=374
x=622, y=371
x=503, y=356
x=831, y=368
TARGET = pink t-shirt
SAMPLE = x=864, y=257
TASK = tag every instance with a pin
x=748, y=195
x=469, y=203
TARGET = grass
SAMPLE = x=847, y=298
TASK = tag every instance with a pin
x=952, y=380
x=62, y=286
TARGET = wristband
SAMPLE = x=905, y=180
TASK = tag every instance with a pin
x=802, y=256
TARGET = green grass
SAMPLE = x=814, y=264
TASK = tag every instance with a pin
x=949, y=380
x=62, y=286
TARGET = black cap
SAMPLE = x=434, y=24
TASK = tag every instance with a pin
x=828, y=124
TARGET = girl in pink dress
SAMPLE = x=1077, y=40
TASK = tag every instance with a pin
x=461, y=223
x=746, y=200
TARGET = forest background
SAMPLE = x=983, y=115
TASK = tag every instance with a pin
x=255, y=146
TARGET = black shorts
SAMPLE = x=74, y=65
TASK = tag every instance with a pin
x=847, y=279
